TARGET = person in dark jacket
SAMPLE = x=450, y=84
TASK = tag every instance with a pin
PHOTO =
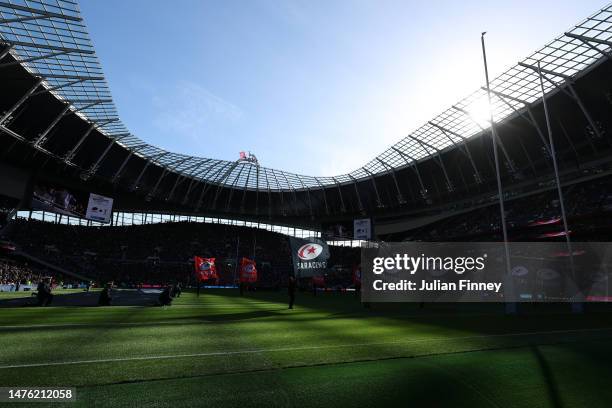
x=105, y=296
x=291, y=289
x=40, y=292
x=44, y=295
x=177, y=290
x=165, y=299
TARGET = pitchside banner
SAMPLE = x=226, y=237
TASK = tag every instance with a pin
x=478, y=272
x=309, y=257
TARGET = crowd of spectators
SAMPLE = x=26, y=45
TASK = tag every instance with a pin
x=163, y=253
x=588, y=206
x=155, y=253
x=16, y=273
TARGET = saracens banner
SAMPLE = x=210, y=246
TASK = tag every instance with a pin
x=248, y=270
x=310, y=257
x=205, y=268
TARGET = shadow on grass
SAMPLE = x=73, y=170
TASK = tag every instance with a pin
x=549, y=378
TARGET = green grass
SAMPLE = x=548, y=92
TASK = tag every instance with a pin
x=223, y=350
x=21, y=294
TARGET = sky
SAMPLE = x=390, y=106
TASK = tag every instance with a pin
x=316, y=87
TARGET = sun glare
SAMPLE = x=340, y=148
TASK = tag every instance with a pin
x=479, y=112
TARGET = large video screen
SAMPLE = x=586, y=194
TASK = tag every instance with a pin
x=338, y=230
x=73, y=203
x=358, y=229
x=99, y=208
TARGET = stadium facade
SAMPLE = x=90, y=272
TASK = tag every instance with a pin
x=58, y=123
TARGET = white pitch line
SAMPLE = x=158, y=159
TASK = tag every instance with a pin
x=101, y=324
x=272, y=350
x=186, y=321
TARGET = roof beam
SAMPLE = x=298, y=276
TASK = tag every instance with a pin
x=342, y=206
x=246, y=186
x=378, y=200
x=230, y=166
x=22, y=19
x=359, y=203
x=25, y=97
x=233, y=186
x=40, y=12
x=309, y=198
x=94, y=167
x=166, y=170
x=588, y=40
x=193, y=181
x=54, y=88
x=282, y=200
x=51, y=47
x=149, y=161
x=324, y=195
x=463, y=148
x=81, y=77
x=506, y=96
x=572, y=94
x=70, y=155
x=11, y=133
x=131, y=151
x=531, y=119
x=424, y=145
x=32, y=59
x=5, y=51
x=292, y=192
x=585, y=38
x=400, y=196
x=545, y=71
x=94, y=101
x=509, y=161
x=412, y=164
x=42, y=138
x=184, y=175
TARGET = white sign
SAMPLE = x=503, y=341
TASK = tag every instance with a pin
x=362, y=229
x=99, y=208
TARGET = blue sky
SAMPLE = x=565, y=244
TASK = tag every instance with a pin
x=314, y=87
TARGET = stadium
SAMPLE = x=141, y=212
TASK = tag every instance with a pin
x=131, y=275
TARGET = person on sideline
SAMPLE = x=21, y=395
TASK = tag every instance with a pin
x=291, y=288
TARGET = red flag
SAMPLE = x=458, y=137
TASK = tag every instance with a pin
x=357, y=274
x=318, y=281
x=205, y=268
x=248, y=270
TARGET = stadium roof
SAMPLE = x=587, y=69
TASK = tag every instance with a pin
x=49, y=38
